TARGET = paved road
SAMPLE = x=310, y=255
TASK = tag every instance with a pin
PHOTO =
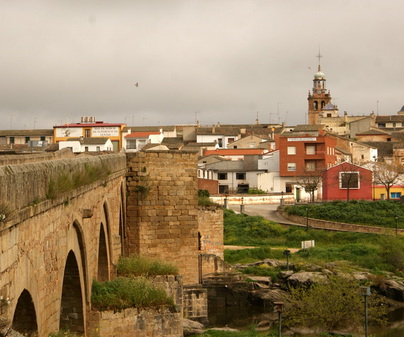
x=268, y=211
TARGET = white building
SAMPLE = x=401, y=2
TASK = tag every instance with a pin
x=78, y=145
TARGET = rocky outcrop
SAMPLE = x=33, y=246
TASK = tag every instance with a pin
x=305, y=278
x=393, y=289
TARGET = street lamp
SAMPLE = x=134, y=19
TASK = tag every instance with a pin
x=282, y=201
x=365, y=291
x=307, y=218
x=242, y=205
x=396, y=218
x=287, y=254
x=278, y=307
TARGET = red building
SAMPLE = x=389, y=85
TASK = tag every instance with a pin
x=347, y=181
x=303, y=153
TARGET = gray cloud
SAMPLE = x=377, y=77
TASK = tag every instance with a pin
x=224, y=61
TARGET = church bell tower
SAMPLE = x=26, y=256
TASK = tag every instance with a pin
x=319, y=97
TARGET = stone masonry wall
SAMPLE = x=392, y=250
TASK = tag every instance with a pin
x=136, y=322
x=196, y=303
x=162, y=209
x=210, y=229
x=172, y=284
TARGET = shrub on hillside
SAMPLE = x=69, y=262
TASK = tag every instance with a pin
x=122, y=293
x=137, y=265
x=332, y=305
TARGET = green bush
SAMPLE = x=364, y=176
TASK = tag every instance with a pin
x=122, y=293
x=256, y=191
x=332, y=305
x=203, y=193
x=205, y=201
x=136, y=265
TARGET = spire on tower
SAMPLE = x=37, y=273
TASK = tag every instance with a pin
x=319, y=56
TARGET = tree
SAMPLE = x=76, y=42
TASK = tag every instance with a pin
x=333, y=304
x=387, y=174
x=311, y=181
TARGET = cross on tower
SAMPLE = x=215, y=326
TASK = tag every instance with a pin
x=319, y=56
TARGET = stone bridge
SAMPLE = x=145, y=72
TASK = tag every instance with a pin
x=61, y=228
x=65, y=220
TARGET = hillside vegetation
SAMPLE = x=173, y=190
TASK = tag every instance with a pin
x=381, y=213
x=378, y=253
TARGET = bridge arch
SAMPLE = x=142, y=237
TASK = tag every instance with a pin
x=25, y=320
x=104, y=247
x=83, y=256
x=122, y=218
x=71, y=310
x=103, y=260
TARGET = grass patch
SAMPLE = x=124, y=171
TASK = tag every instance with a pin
x=251, y=255
x=263, y=270
x=123, y=293
x=371, y=251
x=142, y=266
x=380, y=213
x=66, y=182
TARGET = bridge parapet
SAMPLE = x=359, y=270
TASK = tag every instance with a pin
x=22, y=185
x=35, y=157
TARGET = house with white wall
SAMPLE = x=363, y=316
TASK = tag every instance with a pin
x=222, y=136
x=78, y=145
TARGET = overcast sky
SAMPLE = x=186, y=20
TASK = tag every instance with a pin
x=225, y=61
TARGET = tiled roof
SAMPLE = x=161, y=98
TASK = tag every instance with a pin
x=342, y=150
x=307, y=127
x=233, y=152
x=144, y=134
x=149, y=128
x=218, y=131
x=373, y=132
x=27, y=133
x=173, y=143
x=391, y=118
x=385, y=149
x=398, y=135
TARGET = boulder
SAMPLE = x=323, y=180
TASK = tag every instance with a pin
x=265, y=280
x=285, y=274
x=393, y=289
x=306, y=278
x=192, y=327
